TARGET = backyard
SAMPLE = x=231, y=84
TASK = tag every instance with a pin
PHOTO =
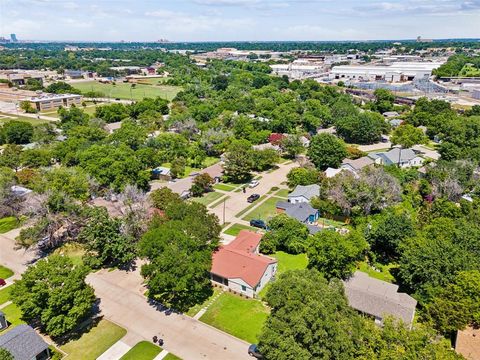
x=243, y=318
x=94, y=342
x=144, y=350
x=125, y=91
x=380, y=272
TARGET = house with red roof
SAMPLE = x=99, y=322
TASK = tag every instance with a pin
x=239, y=266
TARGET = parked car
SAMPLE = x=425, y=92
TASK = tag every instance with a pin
x=253, y=197
x=258, y=223
x=3, y=282
x=253, y=183
x=253, y=351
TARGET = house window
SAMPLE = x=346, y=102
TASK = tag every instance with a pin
x=244, y=288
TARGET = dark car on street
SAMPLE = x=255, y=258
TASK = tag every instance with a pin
x=258, y=223
x=3, y=282
x=253, y=351
x=253, y=197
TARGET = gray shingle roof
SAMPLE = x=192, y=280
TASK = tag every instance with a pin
x=392, y=156
x=308, y=191
x=299, y=211
x=23, y=343
x=378, y=298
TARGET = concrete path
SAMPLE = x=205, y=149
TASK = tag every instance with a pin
x=122, y=301
x=161, y=355
x=115, y=352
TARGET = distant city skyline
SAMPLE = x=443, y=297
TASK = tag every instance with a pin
x=238, y=20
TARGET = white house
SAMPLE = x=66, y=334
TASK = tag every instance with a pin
x=403, y=158
x=238, y=266
x=303, y=193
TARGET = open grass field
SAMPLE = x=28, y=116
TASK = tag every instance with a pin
x=8, y=223
x=4, y=118
x=5, y=294
x=144, y=350
x=243, y=318
x=265, y=211
x=94, y=342
x=125, y=91
x=236, y=228
x=208, y=198
x=5, y=272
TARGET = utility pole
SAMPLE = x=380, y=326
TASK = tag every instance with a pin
x=224, y=201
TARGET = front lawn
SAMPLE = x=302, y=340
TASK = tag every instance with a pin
x=5, y=272
x=208, y=198
x=265, y=211
x=283, y=193
x=249, y=207
x=223, y=187
x=94, y=342
x=5, y=294
x=144, y=350
x=236, y=228
x=196, y=308
x=171, y=357
x=243, y=318
x=8, y=223
x=13, y=314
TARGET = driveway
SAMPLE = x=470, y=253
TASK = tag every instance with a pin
x=122, y=302
x=13, y=257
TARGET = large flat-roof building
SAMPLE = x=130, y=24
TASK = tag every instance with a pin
x=54, y=101
x=396, y=72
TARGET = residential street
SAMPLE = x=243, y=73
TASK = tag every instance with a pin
x=122, y=302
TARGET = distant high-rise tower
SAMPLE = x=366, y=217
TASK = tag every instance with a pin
x=13, y=38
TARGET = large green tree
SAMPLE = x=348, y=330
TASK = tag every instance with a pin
x=238, y=161
x=285, y=234
x=326, y=150
x=407, y=136
x=54, y=293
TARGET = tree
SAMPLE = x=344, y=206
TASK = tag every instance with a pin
x=178, y=167
x=238, y=161
x=458, y=304
x=335, y=255
x=28, y=107
x=292, y=145
x=264, y=159
x=383, y=100
x=105, y=241
x=309, y=319
x=326, y=150
x=17, y=132
x=53, y=292
x=220, y=82
x=407, y=135
x=163, y=197
x=364, y=128
x=61, y=87
x=201, y=183
x=111, y=113
x=129, y=134
x=386, y=232
x=11, y=156
x=6, y=355
x=285, y=234
x=302, y=176
x=179, y=254
x=72, y=117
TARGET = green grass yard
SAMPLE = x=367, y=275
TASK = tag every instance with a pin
x=249, y=207
x=223, y=187
x=195, y=309
x=208, y=198
x=283, y=193
x=236, y=228
x=214, y=205
x=72, y=250
x=144, y=350
x=383, y=273
x=5, y=272
x=13, y=315
x=243, y=318
x=94, y=342
x=5, y=294
x=265, y=211
x=171, y=357
x=124, y=90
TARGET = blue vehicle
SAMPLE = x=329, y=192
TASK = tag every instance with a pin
x=253, y=351
x=258, y=223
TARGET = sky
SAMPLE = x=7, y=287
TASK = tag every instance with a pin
x=239, y=20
